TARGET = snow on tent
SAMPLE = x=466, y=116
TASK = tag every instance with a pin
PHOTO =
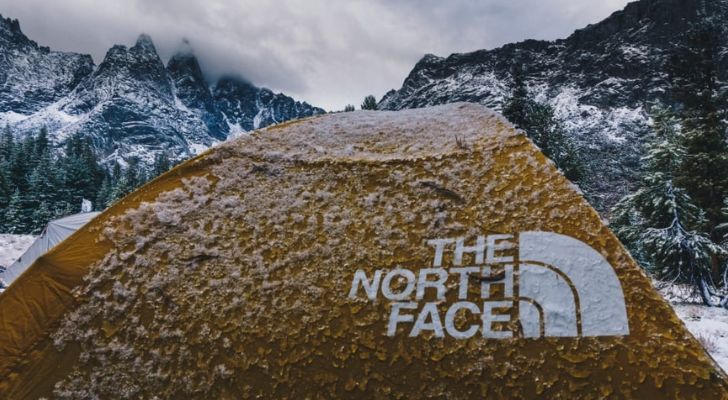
x=54, y=233
x=431, y=253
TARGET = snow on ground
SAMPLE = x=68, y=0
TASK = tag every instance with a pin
x=12, y=247
x=708, y=324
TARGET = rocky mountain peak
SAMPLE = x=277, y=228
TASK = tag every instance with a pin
x=185, y=68
x=142, y=54
x=10, y=33
x=144, y=51
x=9, y=26
x=144, y=43
x=124, y=69
x=193, y=90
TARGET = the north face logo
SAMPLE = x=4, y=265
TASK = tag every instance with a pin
x=550, y=285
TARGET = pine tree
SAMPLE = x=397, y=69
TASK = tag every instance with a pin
x=7, y=148
x=5, y=183
x=161, y=165
x=661, y=224
x=40, y=218
x=723, y=228
x=116, y=174
x=43, y=191
x=7, y=144
x=135, y=175
x=693, y=70
x=38, y=184
x=126, y=180
x=370, y=103
x=103, y=197
x=518, y=107
x=680, y=252
x=20, y=163
x=349, y=108
x=82, y=174
x=14, y=219
x=41, y=145
x=628, y=224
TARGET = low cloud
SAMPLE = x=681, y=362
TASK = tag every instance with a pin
x=326, y=52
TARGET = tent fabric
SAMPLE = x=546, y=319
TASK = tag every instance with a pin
x=324, y=258
x=55, y=232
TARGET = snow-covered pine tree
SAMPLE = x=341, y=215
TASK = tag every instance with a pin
x=161, y=165
x=82, y=175
x=702, y=103
x=6, y=150
x=41, y=147
x=126, y=180
x=40, y=217
x=19, y=163
x=38, y=184
x=103, y=197
x=7, y=144
x=628, y=224
x=661, y=224
x=5, y=191
x=680, y=253
x=15, y=219
x=723, y=228
x=517, y=107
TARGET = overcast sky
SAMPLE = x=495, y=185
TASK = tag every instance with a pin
x=327, y=52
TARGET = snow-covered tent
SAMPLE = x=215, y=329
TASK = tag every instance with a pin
x=429, y=253
x=54, y=233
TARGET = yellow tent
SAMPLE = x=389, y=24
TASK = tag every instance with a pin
x=430, y=253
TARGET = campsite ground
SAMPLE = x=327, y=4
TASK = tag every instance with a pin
x=12, y=247
x=709, y=325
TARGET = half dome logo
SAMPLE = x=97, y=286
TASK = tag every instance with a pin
x=529, y=285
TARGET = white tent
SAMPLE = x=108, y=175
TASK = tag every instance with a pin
x=53, y=234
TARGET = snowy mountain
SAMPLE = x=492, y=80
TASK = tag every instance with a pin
x=247, y=107
x=33, y=77
x=131, y=104
x=601, y=81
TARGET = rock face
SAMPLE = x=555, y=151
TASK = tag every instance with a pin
x=248, y=107
x=194, y=92
x=32, y=76
x=600, y=80
x=131, y=105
